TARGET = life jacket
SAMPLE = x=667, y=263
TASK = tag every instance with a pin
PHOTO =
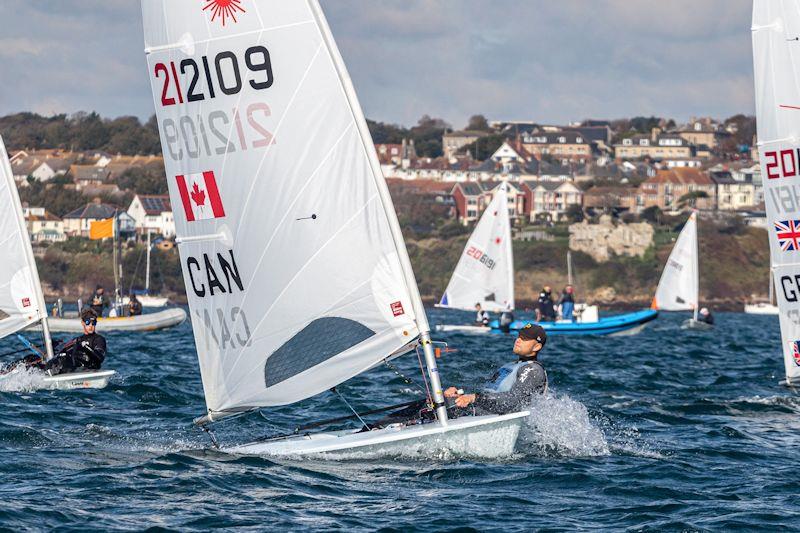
x=504, y=378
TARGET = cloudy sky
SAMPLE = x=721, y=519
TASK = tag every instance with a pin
x=543, y=60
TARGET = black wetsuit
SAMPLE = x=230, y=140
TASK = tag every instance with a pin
x=509, y=390
x=86, y=352
x=135, y=307
x=546, y=307
x=506, y=319
x=708, y=319
x=99, y=303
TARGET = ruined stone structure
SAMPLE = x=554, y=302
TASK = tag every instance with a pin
x=603, y=239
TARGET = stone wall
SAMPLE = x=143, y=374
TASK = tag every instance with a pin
x=603, y=239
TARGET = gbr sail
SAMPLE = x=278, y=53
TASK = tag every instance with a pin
x=21, y=301
x=296, y=272
x=485, y=272
x=678, y=289
x=776, y=56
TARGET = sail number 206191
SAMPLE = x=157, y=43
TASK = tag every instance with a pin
x=221, y=74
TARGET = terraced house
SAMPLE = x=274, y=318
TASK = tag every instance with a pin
x=657, y=145
x=677, y=188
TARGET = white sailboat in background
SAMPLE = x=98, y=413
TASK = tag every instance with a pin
x=297, y=274
x=679, y=286
x=148, y=300
x=485, y=272
x=776, y=56
x=764, y=308
x=21, y=299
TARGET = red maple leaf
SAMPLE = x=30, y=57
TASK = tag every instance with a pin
x=198, y=196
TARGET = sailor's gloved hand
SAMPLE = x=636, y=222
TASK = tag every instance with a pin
x=464, y=400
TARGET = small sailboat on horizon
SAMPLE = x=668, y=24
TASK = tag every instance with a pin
x=679, y=286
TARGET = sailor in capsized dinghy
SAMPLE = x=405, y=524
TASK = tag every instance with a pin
x=86, y=352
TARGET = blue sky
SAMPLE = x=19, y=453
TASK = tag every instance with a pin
x=542, y=60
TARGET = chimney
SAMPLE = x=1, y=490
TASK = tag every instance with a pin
x=654, y=133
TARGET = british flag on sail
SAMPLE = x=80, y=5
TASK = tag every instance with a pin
x=796, y=352
x=788, y=233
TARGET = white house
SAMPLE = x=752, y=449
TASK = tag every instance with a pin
x=43, y=226
x=153, y=212
x=551, y=198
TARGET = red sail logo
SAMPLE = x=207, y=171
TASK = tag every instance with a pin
x=224, y=9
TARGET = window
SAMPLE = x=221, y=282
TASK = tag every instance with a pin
x=644, y=142
x=627, y=142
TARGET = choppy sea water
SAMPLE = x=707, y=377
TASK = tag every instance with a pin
x=667, y=430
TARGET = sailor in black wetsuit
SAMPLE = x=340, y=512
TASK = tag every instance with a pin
x=511, y=388
x=706, y=316
x=86, y=352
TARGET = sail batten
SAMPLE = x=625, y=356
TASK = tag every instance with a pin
x=485, y=271
x=264, y=144
x=776, y=58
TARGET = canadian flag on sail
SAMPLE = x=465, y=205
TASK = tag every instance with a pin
x=200, y=196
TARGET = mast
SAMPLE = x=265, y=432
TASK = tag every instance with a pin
x=569, y=267
x=696, y=260
x=397, y=235
x=147, y=268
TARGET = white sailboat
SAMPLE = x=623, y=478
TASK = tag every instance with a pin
x=679, y=287
x=485, y=272
x=297, y=275
x=764, y=308
x=21, y=299
x=148, y=300
x=776, y=56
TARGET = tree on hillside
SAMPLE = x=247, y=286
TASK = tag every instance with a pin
x=690, y=199
x=574, y=213
x=652, y=214
x=483, y=148
x=478, y=123
x=144, y=180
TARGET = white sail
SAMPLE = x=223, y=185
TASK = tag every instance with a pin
x=296, y=272
x=21, y=301
x=678, y=289
x=776, y=54
x=485, y=272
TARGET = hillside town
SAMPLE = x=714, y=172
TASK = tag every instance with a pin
x=566, y=173
x=556, y=174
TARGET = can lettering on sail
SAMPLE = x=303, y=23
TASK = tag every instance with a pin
x=212, y=275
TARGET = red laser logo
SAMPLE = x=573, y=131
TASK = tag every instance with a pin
x=224, y=9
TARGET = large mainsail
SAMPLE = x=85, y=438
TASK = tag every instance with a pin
x=296, y=272
x=678, y=289
x=776, y=54
x=485, y=272
x=21, y=300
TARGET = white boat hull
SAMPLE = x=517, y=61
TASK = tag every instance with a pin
x=151, y=302
x=696, y=324
x=448, y=328
x=93, y=379
x=147, y=322
x=486, y=437
x=761, y=309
